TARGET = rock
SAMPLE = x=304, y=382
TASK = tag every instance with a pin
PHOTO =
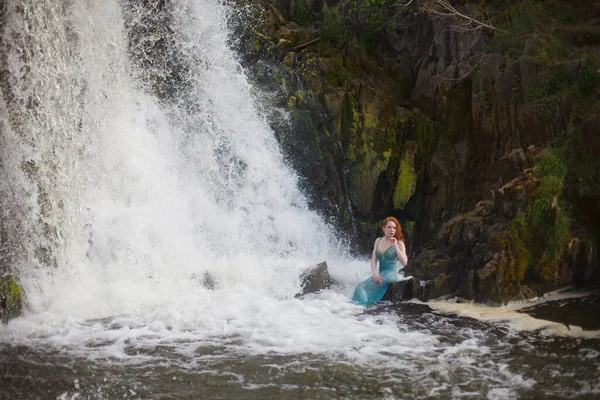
x=583, y=260
x=435, y=288
x=525, y=293
x=206, y=280
x=11, y=298
x=475, y=255
x=511, y=165
x=514, y=195
x=400, y=291
x=315, y=279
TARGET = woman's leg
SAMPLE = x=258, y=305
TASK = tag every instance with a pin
x=389, y=276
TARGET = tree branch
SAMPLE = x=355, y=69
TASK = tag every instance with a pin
x=443, y=8
x=303, y=45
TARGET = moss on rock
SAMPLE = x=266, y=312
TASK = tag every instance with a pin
x=407, y=178
x=11, y=298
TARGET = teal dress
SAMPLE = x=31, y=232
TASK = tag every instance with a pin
x=368, y=291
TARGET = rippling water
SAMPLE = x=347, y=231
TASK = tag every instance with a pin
x=438, y=356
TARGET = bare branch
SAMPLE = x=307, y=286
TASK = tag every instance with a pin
x=303, y=45
x=443, y=8
x=404, y=5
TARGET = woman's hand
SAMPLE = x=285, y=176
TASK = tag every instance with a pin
x=393, y=241
x=377, y=278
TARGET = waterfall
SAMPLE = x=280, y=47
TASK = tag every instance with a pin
x=134, y=161
x=110, y=185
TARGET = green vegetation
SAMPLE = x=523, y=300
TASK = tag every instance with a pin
x=554, y=48
x=302, y=15
x=556, y=43
x=11, y=298
x=538, y=237
x=333, y=29
x=407, y=180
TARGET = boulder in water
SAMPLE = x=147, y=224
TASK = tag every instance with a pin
x=11, y=298
x=206, y=280
x=315, y=279
x=401, y=290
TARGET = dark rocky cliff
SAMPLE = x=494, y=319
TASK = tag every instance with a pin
x=388, y=111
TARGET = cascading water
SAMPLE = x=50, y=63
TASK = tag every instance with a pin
x=115, y=200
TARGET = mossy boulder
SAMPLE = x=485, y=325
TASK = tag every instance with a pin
x=11, y=298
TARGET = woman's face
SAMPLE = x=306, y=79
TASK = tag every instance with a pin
x=389, y=229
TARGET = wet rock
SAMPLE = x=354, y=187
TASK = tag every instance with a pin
x=206, y=279
x=11, y=298
x=582, y=311
x=524, y=293
x=582, y=257
x=400, y=291
x=513, y=164
x=472, y=252
x=315, y=279
x=433, y=289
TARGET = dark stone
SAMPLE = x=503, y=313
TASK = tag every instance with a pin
x=512, y=165
x=315, y=279
x=434, y=288
x=582, y=311
x=524, y=293
x=400, y=291
x=206, y=280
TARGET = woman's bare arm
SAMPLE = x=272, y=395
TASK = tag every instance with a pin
x=374, y=271
x=400, y=251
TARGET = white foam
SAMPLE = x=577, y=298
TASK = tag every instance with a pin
x=517, y=320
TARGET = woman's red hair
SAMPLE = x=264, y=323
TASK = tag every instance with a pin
x=398, y=235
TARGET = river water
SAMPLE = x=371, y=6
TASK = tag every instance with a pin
x=117, y=201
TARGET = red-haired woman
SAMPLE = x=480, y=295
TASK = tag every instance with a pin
x=388, y=249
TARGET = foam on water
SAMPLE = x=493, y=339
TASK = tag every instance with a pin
x=520, y=321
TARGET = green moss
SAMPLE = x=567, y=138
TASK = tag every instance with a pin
x=291, y=102
x=316, y=146
x=335, y=72
x=370, y=116
x=538, y=237
x=407, y=180
x=550, y=165
x=11, y=298
x=281, y=80
x=518, y=223
x=408, y=228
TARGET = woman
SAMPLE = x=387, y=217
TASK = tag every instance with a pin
x=388, y=249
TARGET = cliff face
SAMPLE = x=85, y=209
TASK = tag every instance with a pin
x=423, y=120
